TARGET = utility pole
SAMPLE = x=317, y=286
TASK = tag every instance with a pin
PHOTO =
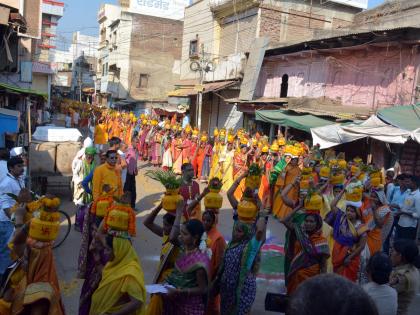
x=203, y=65
x=200, y=92
x=80, y=85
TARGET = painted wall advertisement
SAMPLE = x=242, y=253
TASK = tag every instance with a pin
x=170, y=9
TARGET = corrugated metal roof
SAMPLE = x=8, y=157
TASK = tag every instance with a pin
x=335, y=34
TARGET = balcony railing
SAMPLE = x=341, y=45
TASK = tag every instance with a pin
x=53, y=7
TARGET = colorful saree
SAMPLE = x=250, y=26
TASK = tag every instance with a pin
x=184, y=276
x=215, y=169
x=217, y=244
x=288, y=176
x=238, y=275
x=168, y=256
x=239, y=165
x=307, y=254
x=41, y=279
x=346, y=236
x=91, y=258
x=121, y=277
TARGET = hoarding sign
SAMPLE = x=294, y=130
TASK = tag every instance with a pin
x=170, y=9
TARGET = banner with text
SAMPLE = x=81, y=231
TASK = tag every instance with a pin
x=169, y=9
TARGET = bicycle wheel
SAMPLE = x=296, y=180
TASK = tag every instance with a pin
x=65, y=228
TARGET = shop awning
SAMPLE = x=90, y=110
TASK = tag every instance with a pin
x=16, y=89
x=373, y=127
x=189, y=90
x=291, y=119
x=406, y=117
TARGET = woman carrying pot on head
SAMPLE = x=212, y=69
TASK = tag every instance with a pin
x=308, y=248
x=236, y=280
x=168, y=254
x=189, y=280
x=349, y=233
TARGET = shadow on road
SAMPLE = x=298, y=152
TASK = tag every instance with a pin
x=148, y=201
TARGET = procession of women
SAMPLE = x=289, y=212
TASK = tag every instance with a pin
x=342, y=216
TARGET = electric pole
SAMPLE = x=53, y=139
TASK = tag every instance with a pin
x=203, y=65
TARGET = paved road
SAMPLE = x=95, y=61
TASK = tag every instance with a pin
x=148, y=245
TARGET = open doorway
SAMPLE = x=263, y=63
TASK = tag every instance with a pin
x=284, y=85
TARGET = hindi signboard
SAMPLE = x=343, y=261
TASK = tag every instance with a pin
x=169, y=9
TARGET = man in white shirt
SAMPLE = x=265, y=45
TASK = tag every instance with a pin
x=409, y=213
x=76, y=118
x=11, y=184
x=385, y=297
x=4, y=156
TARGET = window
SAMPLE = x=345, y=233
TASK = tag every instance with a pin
x=143, y=80
x=193, y=48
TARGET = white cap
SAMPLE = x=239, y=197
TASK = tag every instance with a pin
x=16, y=151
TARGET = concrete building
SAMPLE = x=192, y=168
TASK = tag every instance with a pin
x=223, y=33
x=76, y=66
x=61, y=85
x=20, y=24
x=83, y=78
x=139, y=57
x=43, y=67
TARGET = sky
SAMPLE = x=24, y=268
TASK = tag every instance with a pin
x=80, y=15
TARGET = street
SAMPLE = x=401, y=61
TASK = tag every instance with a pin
x=148, y=245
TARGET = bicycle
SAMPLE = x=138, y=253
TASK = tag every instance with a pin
x=64, y=219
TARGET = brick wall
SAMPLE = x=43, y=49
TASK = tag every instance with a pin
x=291, y=25
x=300, y=25
x=339, y=23
x=270, y=25
x=31, y=13
x=157, y=34
x=155, y=51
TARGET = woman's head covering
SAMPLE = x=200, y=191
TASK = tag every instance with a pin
x=123, y=275
x=317, y=218
x=355, y=204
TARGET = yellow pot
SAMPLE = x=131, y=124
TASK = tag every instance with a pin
x=314, y=202
x=43, y=231
x=117, y=220
x=342, y=164
x=337, y=179
x=213, y=200
x=247, y=210
x=49, y=216
x=355, y=195
x=253, y=181
x=171, y=199
x=101, y=207
x=375, y=181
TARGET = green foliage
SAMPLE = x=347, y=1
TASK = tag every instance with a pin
x=167, y=178
x=255, y=170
